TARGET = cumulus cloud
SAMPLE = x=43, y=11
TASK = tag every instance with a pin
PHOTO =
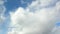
x=36, y=18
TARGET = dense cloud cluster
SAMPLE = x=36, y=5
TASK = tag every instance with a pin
x=37, y=18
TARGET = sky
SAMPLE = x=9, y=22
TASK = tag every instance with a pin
x=29, y=16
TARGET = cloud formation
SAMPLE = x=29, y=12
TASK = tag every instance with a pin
x=37, y=18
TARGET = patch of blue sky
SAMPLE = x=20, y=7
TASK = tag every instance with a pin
x=58, y=24
x=14, y=4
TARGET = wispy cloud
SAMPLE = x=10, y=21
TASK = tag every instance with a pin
x=36, y=18
x=2, y=17
x=2, y=11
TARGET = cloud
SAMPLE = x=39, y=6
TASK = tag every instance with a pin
x=56, y=30
x=22, y=2
x=2, y=11
x=26, y=1
x=2, y=16
x=35, y=19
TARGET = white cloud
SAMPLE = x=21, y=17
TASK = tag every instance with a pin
x=47, y=2
x=33, y=19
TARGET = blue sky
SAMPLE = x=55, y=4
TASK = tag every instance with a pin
x=13, y=5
